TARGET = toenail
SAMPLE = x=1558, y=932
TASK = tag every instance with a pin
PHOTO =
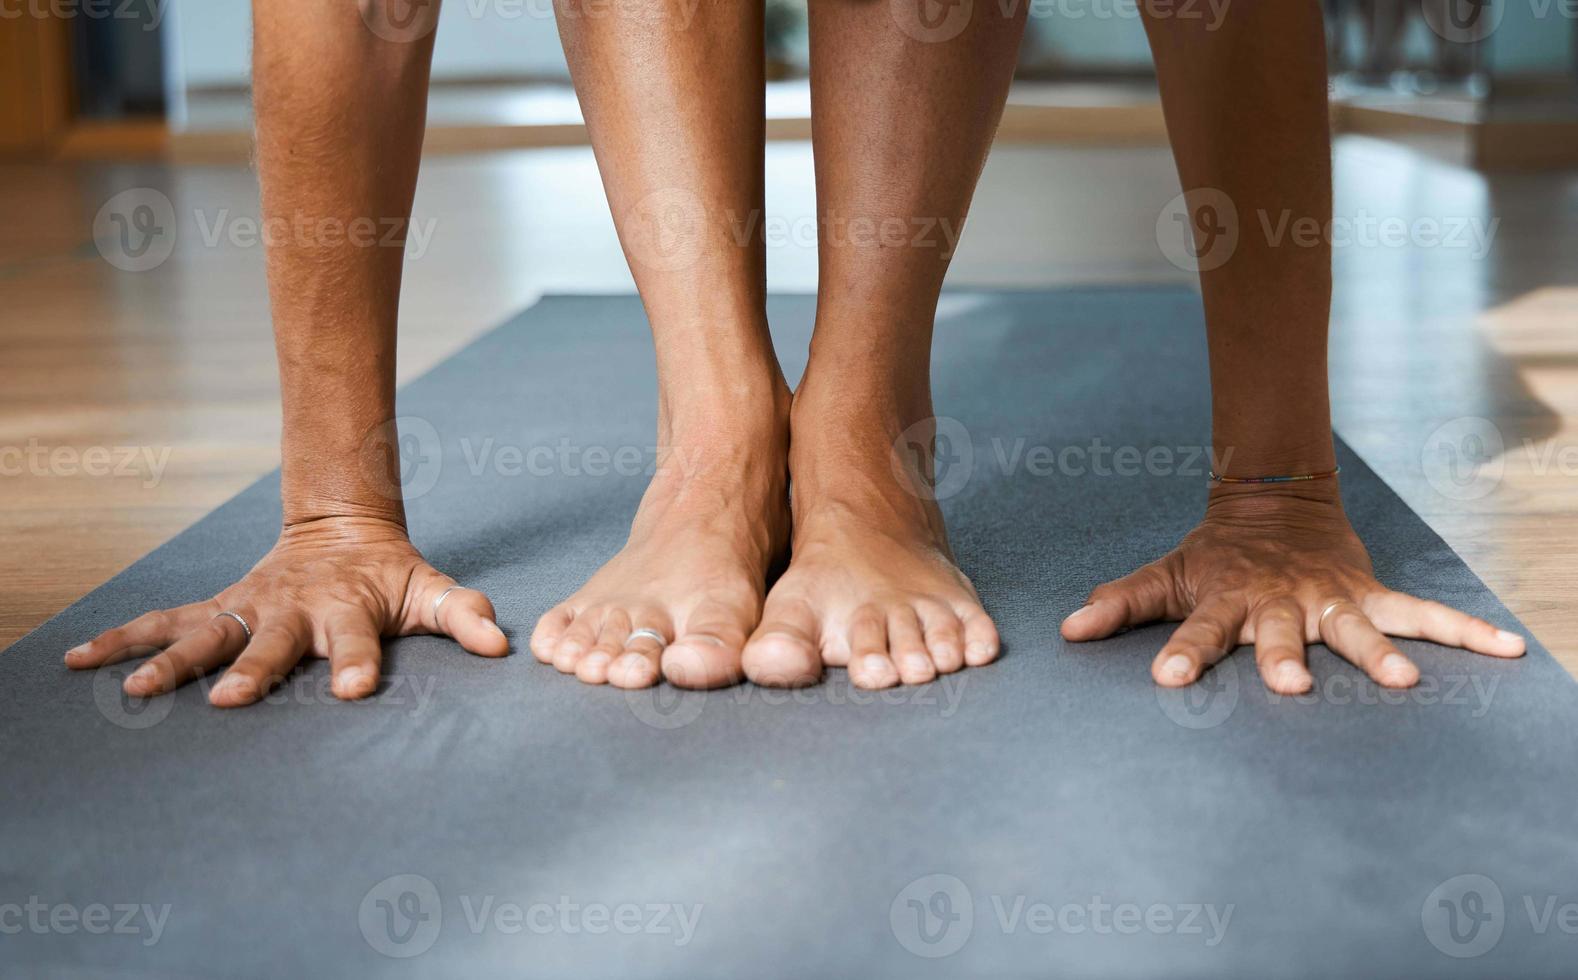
x=875, y=663
x=917, y=663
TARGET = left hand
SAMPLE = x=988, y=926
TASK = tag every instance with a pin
x=1279, y=567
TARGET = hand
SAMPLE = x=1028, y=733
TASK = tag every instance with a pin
x=1278, y=568
x=330, y=587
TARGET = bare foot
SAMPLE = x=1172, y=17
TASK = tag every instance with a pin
x=711, y=526
x=872, y=584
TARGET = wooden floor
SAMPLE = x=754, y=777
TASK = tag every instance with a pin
x=131, y=403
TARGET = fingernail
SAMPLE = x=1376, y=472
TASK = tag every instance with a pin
x=140, y=680
x=875, y=663
x=77, y=651
x=1504, y=636
x=232, y=685
x=1291, y=675
x=1394, y=664
x=1178, y=666
x=494, y=627
x=354, y=680
x=1082, y=610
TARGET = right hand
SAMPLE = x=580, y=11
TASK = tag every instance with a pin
x=331, y=587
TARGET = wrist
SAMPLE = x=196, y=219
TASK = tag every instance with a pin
x=1314, y=498
x=339, y=468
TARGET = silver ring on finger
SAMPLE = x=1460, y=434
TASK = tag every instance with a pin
x=440, y=601
x=649, y=634
x=239, y=622
x=1320, y=622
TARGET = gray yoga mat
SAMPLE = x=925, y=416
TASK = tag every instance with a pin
x=1052, y=814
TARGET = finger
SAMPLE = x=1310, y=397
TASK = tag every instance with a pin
x=1349, y=633
x=150, y=631
x=355, y=652
x=210, y=645
x=272, y=654
x=1206, y=636
x=907, y=647
x=1279, y=647
x=869, y=663
x=549, y=631
x=467, y=616
x=1140, y=597
x=1422, y=619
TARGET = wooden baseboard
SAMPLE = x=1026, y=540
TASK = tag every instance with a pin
x=1491, y=144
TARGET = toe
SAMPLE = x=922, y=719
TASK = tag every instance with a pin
x=981, y=643
x=611, y=642
x=707, y=653
x=944, y=634
x=635, y=660
x=592, y=668
x=549, y=630
x=869, y=663
x=907, y=647
x=579, y=638
x=633, y=669
x=783, y=650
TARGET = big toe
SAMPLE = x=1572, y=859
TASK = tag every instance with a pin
x=782, y=656
x=702, y=660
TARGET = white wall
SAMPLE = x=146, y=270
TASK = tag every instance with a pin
x=476, y=38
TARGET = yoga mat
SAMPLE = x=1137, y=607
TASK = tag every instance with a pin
x=1054, y=814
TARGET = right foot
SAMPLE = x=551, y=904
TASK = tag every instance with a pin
x=872, y=584
x=710, y=528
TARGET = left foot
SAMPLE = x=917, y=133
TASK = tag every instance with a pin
x=872, y=584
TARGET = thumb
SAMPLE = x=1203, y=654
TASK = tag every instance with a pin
x=464, y=614
x=1137, y=598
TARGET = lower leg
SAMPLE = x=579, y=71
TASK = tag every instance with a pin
x=672, y=95
x=902, y=121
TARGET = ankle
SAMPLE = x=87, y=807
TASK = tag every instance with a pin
x=705, y=408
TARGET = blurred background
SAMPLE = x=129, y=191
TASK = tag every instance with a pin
x=137, y=386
